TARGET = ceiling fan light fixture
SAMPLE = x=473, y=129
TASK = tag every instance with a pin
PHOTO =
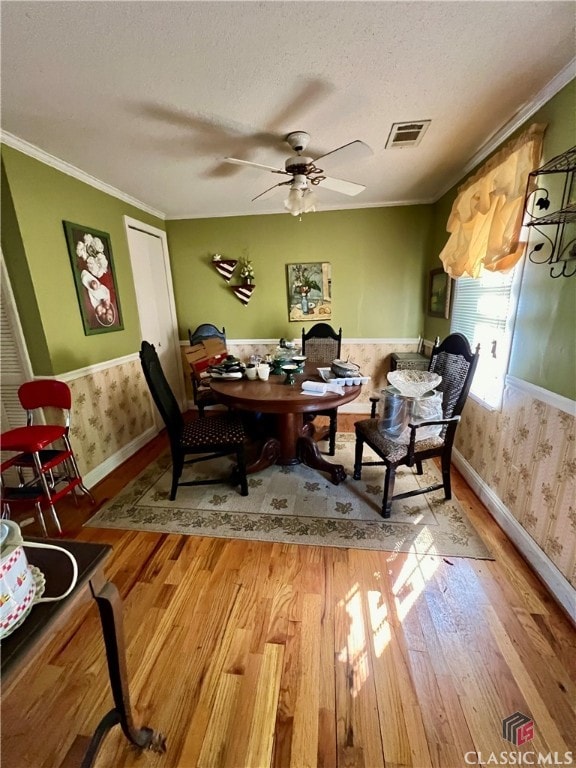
x=294, y=201
x=307, y=174
x=301, y=199
x=308, y=201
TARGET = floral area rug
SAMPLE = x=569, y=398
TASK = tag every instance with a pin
x=298, y=505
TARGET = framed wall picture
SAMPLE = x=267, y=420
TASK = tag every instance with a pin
x=439, y=290
x=309, y=291
x=93, y=268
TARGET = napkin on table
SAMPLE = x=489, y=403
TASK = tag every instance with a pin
x=320, y=388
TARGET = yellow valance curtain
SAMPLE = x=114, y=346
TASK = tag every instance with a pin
x=486, y=217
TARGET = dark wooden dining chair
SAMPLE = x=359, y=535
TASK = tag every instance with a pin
x=202, y=395
x=204, y=438
x=321, y=344
x=456, y=363
x=206, y=331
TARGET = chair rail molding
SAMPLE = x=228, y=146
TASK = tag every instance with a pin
x=545, y=395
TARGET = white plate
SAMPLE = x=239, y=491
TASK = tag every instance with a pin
x=227, y=376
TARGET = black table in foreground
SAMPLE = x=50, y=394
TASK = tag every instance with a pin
x=20, y=648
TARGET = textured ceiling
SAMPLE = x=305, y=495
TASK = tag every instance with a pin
x=148, y=97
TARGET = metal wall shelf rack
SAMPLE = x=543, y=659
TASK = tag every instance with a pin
x=552, y=183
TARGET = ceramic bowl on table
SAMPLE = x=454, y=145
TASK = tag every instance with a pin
x=328, y=376
x=344, y=368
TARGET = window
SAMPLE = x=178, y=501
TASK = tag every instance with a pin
x=484, y=310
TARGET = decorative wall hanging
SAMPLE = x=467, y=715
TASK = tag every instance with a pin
x=439, y=290
x=309, y=291
x=94, y=277
x=224, y=267
x=247, y=272
x=243, y=292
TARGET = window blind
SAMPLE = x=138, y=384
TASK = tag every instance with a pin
x=483, y=310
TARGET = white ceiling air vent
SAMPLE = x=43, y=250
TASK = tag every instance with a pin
x=407, y=134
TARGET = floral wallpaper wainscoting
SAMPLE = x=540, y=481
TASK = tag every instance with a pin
x=527, y=455
x=110, y=408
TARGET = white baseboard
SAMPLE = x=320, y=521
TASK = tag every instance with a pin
x=558, y=585
x=112, y=462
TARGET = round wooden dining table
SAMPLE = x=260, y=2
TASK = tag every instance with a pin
x=291, y=439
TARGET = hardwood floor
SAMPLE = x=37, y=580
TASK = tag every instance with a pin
x=251, y=654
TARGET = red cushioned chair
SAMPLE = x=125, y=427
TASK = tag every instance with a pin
x=42, y=449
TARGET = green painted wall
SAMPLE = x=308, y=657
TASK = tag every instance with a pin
x=21, y=280
x=544, y=346
x=38, y=198
x=378, y=258
x=544, y=343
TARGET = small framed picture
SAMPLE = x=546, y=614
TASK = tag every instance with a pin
x=93, y=267
x=439, y=290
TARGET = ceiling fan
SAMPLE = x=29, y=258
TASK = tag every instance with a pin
x=305, y=172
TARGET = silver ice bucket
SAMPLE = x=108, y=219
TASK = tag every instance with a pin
x=396, y=411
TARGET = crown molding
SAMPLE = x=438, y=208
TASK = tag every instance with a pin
x=70, y=170
x=555, y=85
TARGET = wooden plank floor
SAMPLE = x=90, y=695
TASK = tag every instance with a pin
x=250, y=654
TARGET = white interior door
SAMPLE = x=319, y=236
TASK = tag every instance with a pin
x=155, y=297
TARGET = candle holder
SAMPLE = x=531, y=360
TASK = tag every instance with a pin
x=299, y=360
x=290, y=371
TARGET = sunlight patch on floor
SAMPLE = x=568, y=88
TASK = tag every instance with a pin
x=411, y=580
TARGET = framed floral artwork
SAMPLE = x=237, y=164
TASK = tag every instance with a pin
x=439, y=290
x=309, y=291
x=94, y=277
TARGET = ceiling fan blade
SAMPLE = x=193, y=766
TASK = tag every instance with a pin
x=355, y=150
x=342, y=186
x=255, y=165
x=281, y=184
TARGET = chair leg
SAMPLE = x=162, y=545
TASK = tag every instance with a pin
x=389, y=481
x=76, y=471
x=446, y=461
x=358, y=458
x=41, y=519
x=332, y=434
x=177, y=466
x=200, y=410
x=419, y=469
x=241, y=471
